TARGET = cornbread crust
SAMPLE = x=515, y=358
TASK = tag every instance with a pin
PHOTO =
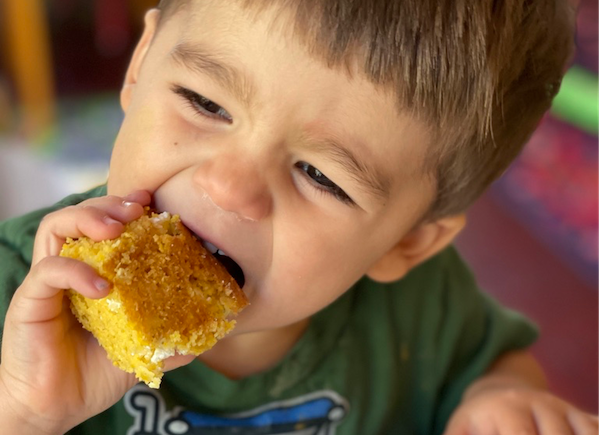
x=169, y=294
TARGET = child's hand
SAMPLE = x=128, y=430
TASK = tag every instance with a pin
x=520, y=410
x=53, y=373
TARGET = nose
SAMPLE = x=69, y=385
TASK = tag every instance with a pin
x=235, y=184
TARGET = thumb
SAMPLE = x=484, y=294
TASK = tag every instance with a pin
x=174, y=362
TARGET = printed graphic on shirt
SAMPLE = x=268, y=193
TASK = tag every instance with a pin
x=317, y=413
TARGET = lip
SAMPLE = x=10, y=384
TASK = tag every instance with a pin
x=202, y=237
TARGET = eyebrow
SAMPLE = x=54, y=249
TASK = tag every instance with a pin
x=200, y=59
x=374, y=182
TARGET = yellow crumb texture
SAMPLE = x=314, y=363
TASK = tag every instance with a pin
x=168, y=295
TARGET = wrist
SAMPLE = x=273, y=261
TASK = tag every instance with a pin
x=501, y=382
x=516, y=371
x=17, y=418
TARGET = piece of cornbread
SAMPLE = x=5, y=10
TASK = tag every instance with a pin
x=168, y=295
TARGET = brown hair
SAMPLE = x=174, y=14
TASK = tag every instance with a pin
x=480, y=73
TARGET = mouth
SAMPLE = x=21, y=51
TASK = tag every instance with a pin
x=231, y=265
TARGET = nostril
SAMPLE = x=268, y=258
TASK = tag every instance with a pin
x=257, y=207
x=242, y=192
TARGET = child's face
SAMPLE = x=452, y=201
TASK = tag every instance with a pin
x=304, y=176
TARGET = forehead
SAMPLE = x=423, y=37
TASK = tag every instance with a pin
x=259, y=58
x=283, y=24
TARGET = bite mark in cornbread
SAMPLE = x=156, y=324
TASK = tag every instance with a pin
x=168, y=295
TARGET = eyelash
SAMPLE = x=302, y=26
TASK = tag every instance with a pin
x=198, y=103
x=326, y=186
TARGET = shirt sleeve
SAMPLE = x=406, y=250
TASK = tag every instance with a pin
x=475, y=331
x=455, y=333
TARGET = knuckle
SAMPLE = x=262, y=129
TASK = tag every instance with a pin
x=110, y=200
x=52, y=270
x=73, y=266
x=93, y=212
x=114, y=198
x=37, y=274
x=89, y=208
x=99, y=200
x=100, y=207
x=43, y=267
x=49, y=219
x=55, y=264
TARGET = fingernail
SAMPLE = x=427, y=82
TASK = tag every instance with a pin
x=131, y=197
x=101, y=284
x=127, y=203
x=108, y=220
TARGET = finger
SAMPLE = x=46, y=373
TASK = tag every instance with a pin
x=39, y=298
x=480, y=424
x=520, y=421
x=483, y=426
x=583, y=423
x=174, y=362
x=142, y=197
x=98, y=219
x=550, y=421
x=78, y=220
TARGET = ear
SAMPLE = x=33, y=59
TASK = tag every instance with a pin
x=418, y=245
x=131, y=76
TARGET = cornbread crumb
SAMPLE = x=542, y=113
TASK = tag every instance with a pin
x=168, y=295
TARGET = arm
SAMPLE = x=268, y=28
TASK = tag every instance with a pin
x=515, y=369
x=512, y=398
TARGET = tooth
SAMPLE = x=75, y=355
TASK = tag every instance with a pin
x=221, y=252
x=209, y=246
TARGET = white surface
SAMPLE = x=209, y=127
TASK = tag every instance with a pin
x=29, y=180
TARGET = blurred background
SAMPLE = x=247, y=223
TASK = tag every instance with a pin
x=531, y=240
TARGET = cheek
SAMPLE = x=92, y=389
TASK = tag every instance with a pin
x=321, y=267
x=149, y=149
x=311, y=282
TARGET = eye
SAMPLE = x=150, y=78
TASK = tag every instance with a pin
x=202, y=105
x=323, y=183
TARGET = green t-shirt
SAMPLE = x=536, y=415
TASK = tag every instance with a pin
x=382, y=359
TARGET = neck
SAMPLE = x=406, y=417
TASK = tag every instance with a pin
x=244, y=355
